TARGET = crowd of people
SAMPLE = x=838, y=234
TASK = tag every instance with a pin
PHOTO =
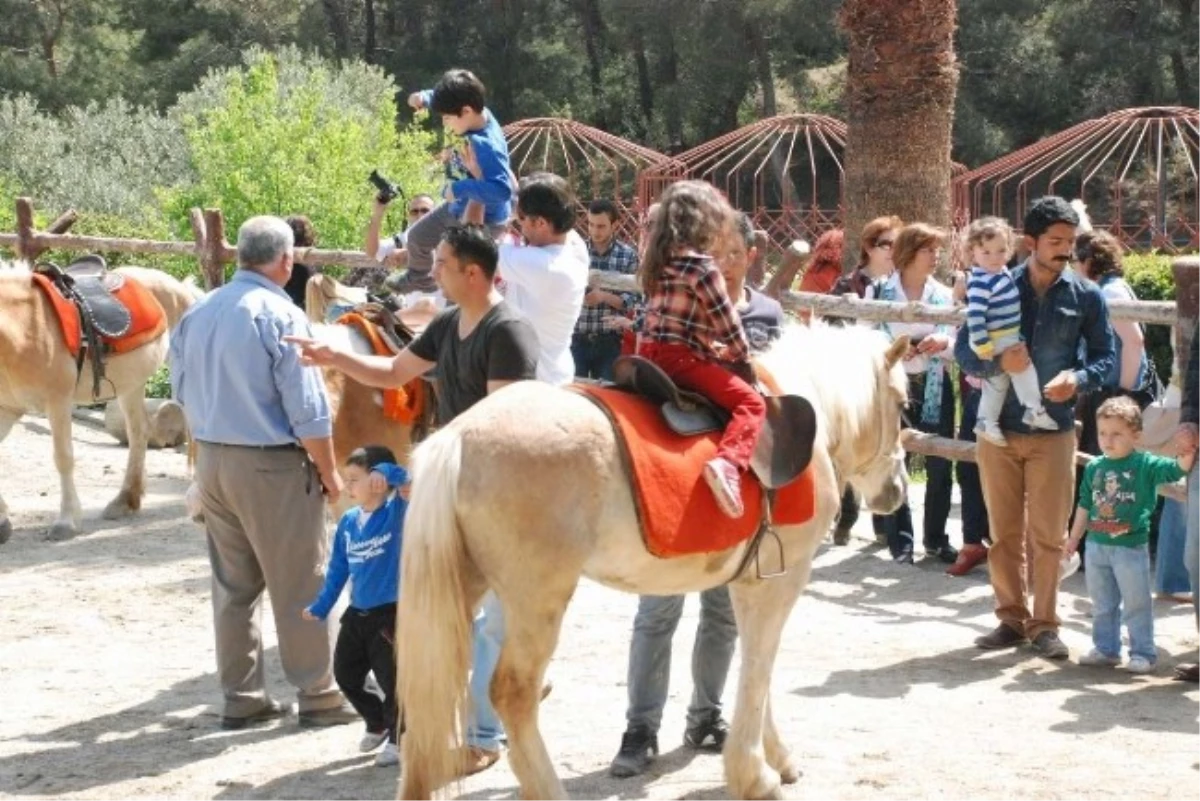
x=1038, y=348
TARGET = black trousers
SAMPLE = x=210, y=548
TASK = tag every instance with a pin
x=974, y=510
x=939, y=474
x=366, y=644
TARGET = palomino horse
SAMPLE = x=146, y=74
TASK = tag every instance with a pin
x=527, y=492
x=38, y=374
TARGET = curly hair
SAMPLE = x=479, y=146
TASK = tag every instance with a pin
x=691, y=215
x=302, y=230
x=1121, y=408
x=1099, y=253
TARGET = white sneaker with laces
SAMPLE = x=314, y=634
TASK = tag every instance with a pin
x=1096, y=658
x=371, y=740
x=388, y=757
x=992, y=433
x=1139, y=665
x=1040, y=418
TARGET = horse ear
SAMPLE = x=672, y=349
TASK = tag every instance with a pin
x=896, y=352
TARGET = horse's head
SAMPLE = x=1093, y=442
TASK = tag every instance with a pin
x=856, y=381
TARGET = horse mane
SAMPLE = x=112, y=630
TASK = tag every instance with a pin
x=17, y=267
x=835, y=367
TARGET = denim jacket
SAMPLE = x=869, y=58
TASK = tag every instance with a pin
x=1066, y=329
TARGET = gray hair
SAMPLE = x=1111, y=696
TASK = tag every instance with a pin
x=262, y=240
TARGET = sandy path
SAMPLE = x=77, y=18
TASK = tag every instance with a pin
x=107, y=669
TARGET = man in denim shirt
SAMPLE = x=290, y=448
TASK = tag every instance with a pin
x=1065, y=328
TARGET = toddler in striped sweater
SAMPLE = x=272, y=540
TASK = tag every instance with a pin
x=994, y=324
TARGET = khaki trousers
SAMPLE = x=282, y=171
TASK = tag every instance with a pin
x=265, y=520
x=1030, y=485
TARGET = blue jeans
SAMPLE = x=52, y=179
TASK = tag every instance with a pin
x=594, y=354
x=1118, y=580
x=1191, y=549
x=1170, y=575
x=650, y=656
x=485, y=729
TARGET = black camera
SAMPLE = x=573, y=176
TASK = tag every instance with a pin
x=388, y=191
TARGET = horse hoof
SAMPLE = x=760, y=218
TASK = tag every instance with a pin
x=117, y=509
x=60, y=532
x=5, y=530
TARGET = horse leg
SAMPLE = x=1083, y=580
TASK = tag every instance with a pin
x=761, y=608
x=137, y=427
x=7, y=419
x=70, y=513
x=779, y=756
x=532, y=629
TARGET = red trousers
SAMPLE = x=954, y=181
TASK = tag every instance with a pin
x=723, y=388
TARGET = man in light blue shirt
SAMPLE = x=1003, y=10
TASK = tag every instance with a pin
x=264, y=459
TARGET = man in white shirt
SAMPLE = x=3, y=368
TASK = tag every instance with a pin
x=546, y=278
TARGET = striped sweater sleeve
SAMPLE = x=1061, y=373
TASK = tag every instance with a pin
x=979, y=295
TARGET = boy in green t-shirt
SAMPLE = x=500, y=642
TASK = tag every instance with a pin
x=1116, y=498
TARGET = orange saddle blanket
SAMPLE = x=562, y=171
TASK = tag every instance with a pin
x=148, y=318
x=678, y=513
x=403, y=405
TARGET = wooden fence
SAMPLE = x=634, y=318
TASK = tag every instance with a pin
x=213, y=252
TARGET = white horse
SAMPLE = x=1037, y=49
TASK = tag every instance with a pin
x=38, y=374
x=527, y=492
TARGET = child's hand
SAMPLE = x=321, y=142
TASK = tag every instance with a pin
x=1070, y=546
x=309, y=616
x=406, y=491
x=1062, y=387
x=376, y=482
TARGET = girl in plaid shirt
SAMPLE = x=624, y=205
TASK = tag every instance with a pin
x=692, y=331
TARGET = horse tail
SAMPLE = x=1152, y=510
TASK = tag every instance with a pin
x=433, y=636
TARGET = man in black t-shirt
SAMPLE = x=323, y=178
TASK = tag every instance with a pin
x=479, y=345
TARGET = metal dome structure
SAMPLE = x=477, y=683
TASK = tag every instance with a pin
x=785, y=172
x=1136, y=170
x=597, y=164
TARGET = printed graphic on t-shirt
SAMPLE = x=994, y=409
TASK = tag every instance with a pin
x=1113, y=501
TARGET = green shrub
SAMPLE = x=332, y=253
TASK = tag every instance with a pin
x=290, y=134
x=1149, y=276
x=159, y=385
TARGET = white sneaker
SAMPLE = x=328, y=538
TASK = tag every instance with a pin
x=388, y=757
x=1040, y=418
x=1139, y=665
x=1096, y=658
x=991, y=432
x=371, y=740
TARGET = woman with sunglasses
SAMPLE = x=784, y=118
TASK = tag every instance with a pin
x=874, y=264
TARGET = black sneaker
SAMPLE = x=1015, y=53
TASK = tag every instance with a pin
x=1050, y=646
x=1003, y=636
x=707, y=736
x=904, y=556
x=946, y=554
x=639, y=747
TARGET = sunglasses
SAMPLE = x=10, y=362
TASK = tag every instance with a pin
x=419, y=210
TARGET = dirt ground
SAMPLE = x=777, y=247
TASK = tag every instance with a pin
x=106, y=665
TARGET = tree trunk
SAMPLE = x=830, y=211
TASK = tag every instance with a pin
x=900, y=86
x=672, y=111
x=645, y=85
x=593, y=37
x=762, y=65
x=369, y=31
x=339, y=27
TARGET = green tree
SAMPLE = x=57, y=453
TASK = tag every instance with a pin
x=291, y=134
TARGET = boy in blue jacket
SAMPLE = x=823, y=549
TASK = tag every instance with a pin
x=366, y=550
x=479, y=177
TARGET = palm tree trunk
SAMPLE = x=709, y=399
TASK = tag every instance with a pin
x=900, y=87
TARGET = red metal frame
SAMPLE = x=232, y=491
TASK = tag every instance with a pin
x=596, y=163
x=1098, y=161
x=763, y=168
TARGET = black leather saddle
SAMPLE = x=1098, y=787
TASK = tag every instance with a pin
x=784, y=447
x=88, y=284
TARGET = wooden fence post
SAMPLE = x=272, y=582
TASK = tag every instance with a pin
x=28, y=246
x=1186, y=270
x=214, y=261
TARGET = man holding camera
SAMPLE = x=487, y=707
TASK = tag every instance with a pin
x=388, y=251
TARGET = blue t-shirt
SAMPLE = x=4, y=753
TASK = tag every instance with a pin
x=496, y=188
x=366, y=551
